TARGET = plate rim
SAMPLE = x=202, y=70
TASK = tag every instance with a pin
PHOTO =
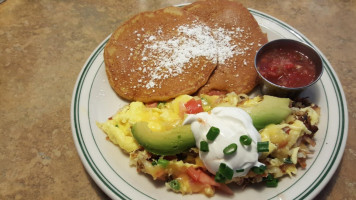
x=340, y=96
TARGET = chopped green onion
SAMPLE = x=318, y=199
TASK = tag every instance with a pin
x=219, y=178
x=271, y=181
x=259, y=170
x=263, y=146
x=245, y=140
x=212, y=133
x=287, y=161
x=204, y=101
x=163, y=162
x=239, y=170
x=204, y=146
x=174, y=184
x=161, y=104
x=154, y=163
x=224, y=172
x=230, y=149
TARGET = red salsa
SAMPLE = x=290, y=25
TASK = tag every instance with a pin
x=287, y=67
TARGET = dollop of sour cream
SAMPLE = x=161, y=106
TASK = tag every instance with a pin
x=233, y=122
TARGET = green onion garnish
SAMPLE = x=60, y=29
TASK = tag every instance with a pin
x=163, y=162
x=245, y=140
x=219, y=178
x=271, y=181
x=230, y=149
x=287, y=161
x=239, y=170
x=174, y=184
x=259, y=170
x=262, y=146
x=204, y=146
x=161, y=104
x=224, y=172
x=154, y=163
x=212, y=133
x=204, y=101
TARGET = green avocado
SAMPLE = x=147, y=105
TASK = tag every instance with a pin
x=271, y=110
x=169, y=142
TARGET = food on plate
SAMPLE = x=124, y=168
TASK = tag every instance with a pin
x=271, y=110
x=287, y=67
x=207, y=46
x=209, y=131
x=169, y=142
x=158, y=55
x=235, y=71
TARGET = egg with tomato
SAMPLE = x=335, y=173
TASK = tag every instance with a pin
x=184, y=172
x=160, y=116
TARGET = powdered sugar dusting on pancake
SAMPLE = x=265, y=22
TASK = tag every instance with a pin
x=171, y=57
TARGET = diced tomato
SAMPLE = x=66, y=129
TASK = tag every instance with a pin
x=204, y=178
x=224, y=188
x=193, y=173
x=152, y=105
x=194, y=106
x=289, y=66
x=200, y=176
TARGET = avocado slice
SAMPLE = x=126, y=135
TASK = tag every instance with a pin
x=170, y=142
x=271, y=110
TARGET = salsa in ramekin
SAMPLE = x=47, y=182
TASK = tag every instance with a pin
x=286, y=67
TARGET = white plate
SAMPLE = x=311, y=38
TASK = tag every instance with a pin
x=94, y=101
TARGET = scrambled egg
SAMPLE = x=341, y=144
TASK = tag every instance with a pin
x=162, y=116
x=287, y=146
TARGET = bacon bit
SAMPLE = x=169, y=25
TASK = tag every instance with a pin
x=173, y=157
x=309, y=140
x=286, y=129
x=301, y=102
x=282, y=168
x=282, y=144
x=160, y=175
x=306, y=120
x=302, y=162
x=110, y=118
x=107, y=138
x=316, y=108
x=266, y=162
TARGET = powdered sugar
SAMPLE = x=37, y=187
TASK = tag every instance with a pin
x=169, y=58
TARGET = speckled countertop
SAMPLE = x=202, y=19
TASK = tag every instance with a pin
x=43, y=46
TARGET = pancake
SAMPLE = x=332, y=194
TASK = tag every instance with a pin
x=235, y=71
x=158, y=55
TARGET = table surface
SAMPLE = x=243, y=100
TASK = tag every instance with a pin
x=43, y=46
